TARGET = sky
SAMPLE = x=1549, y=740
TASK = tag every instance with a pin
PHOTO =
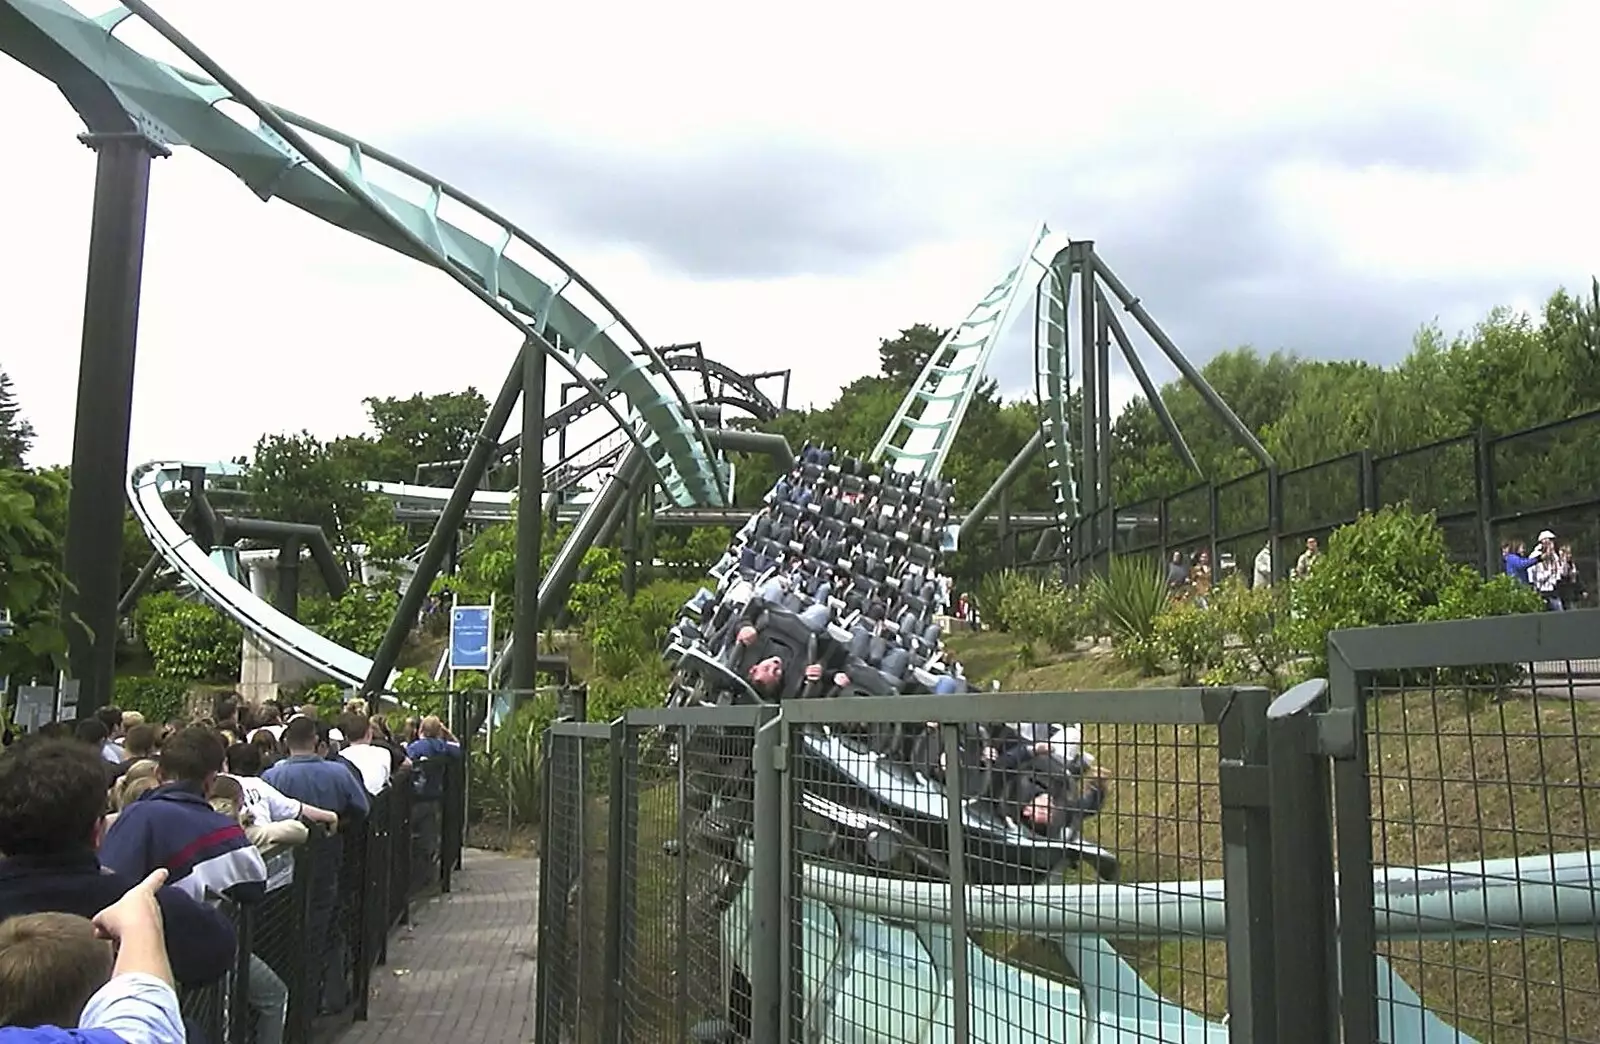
x=789, y=185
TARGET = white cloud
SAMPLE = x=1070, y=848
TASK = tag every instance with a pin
x=259, y=318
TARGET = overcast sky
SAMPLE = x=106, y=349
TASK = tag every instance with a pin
x=788, y=188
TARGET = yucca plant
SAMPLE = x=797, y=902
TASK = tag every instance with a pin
x=1129, y=596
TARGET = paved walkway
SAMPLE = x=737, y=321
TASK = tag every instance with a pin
x=464, y=969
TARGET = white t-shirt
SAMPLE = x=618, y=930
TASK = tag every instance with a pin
x=374, y=764
x=275, y=731
x=265, y=803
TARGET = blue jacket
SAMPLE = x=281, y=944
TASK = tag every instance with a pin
x=200, y=941
x=1517, y=566
x=320, y=782
x=202, y=849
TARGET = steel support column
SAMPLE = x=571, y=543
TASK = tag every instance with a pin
x=1195, y=378
x=444, y=530
x=1152, y=393
x=105, y=408
x=530, y=525
x=1081, y=260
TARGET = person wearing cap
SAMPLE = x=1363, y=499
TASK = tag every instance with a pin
x=1545, y=573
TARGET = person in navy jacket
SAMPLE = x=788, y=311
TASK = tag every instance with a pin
x=52, y=805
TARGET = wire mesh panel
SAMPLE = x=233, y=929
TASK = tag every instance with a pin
x=689, y=794
x=1042, y=904
x=1189, y=523
x=1481, y=751
x=278, y=933
x=1547, y=466
x=1138, y=526
x=1321, y=496
x=576, y=929
x=1442, y=478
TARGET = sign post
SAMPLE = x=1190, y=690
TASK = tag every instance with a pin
x=471, y=643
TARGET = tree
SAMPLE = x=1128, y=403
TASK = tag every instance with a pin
x=16, y=433
x=33, y=515
x=295, y=478
x=904, y=356
x=424, y=429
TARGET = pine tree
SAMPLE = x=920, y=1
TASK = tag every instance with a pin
x=16, y=434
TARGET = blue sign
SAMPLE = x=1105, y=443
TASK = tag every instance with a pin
x=470, y=638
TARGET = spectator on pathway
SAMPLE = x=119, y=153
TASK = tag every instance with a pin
x=267, y=815
x=130, y=719
x=1570, y=585
x=174, y=827
x=138, y=745
x=60, y=984
x=1177, y=572
x=308, y=777
x=1308, y=558
x=52, y=802
x=111, y=748
x=1200, y=577
x=1545, y=573
x=269, y=721
x=1263, y=566
x=371, y=762
x=1517, y=561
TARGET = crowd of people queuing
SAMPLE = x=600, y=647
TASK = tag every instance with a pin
x=116, y=828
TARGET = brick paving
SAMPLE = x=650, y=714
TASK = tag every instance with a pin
x=464, y=969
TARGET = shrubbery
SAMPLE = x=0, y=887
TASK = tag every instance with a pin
x=158, y=699
x=188, y=641
x=1388, y=567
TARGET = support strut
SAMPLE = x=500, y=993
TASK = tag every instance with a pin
x=105, y=408
x=530, y=526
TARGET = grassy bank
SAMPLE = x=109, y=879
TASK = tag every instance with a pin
x=1456, y=779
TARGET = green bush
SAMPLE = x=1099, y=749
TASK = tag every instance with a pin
x=188, y=641
x=1035, y=607
x=1191, y=638
x=1129, y=597
x=1392, y=567
x=646, y=686
x=1258, y=617
x=357, y=620
x=625, y=635
x=160, y=700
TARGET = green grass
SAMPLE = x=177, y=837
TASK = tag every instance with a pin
x=1455, y=779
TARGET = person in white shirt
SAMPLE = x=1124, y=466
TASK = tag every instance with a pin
x=372, y=762
x=261, y=804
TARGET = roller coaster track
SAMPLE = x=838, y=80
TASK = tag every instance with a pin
x=750, y=398
x=554, y=305
x=1052, y=386
x=919, y=437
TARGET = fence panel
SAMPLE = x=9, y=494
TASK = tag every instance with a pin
x=575, y=871
x=1318, y=498
x=1474, y=743
x=1189, y=522
x=1138, y=526
x=950, y=920
x=689, y=781
x=1546, y=467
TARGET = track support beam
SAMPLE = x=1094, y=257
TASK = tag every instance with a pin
x=444, y=530
x=530, y=526
x=105, y=408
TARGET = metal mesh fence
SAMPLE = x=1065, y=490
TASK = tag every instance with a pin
x=1442, y=477
x=689, y=789
x=575, y=876
x=1321, y=496
x=1482, y=767
x=1039, y=903
x=1546, y=467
